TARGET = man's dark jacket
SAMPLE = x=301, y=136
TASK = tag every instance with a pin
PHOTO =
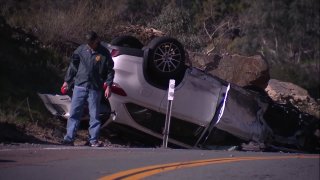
x=90, y=68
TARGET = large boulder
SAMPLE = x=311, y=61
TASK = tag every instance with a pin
x=237, y=69
x=289, y=93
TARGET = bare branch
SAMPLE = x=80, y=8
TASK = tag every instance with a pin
x=222, y=25
x=205, y=28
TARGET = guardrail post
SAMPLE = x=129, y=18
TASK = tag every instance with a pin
x=168, y=114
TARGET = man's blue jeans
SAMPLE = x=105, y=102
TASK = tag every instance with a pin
x=79, y=97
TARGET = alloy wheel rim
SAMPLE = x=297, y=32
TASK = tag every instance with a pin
x=167, y=57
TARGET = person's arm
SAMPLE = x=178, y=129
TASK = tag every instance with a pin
x=110, y=75
x=72, y=69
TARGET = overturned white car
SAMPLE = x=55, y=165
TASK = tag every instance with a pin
x=206, y=111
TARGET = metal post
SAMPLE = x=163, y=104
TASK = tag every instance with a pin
x=168, y=114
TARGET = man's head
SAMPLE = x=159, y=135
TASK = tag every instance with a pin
x=92, y=39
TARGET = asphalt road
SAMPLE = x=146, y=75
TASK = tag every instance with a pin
x=60, y=162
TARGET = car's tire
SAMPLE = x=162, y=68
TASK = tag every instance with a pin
x=166, y=56
x=165, y=60
x=127, y=41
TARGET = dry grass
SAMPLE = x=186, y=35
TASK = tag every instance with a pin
x=64, y=21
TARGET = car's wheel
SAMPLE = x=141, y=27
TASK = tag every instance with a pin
x=127, y=41
x=167, y=56
x=165, y=60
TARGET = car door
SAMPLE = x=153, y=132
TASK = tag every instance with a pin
x=59, y=105
x=195, y=98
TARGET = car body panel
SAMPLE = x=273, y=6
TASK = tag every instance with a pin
x=196, y=98
x=59, y=106
x=243, y=116
x=129, y=76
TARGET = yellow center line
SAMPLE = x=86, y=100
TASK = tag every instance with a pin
x=146, y=171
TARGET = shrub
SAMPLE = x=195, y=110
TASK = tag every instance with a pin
x=60, y=21
x=173, y=20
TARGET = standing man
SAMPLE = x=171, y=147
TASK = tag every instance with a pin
x=91, y=68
